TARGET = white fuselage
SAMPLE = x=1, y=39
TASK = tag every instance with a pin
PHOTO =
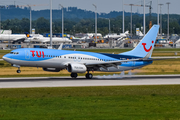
x=47, y=39
x=12, y=37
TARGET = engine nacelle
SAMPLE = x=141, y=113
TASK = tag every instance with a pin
x=51, y=69
x=76, y=68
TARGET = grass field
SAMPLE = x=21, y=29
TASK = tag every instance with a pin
x=91, y=103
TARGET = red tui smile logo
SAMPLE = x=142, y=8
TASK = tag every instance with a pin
x=147, y=50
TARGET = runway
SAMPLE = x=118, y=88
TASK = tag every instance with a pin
x=82, y=82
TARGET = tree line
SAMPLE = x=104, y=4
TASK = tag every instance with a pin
x=76, y=25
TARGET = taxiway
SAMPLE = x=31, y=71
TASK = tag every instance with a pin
x=96, y=81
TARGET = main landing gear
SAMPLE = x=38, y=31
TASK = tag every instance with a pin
x=18, y=71
x=74, y=75
x=89, y=75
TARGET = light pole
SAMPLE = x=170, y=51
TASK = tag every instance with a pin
x=30, y=31
x=168, y=21
x=123, y=14
x=158, y=13
x=51, y=24
x=131, y=18
x=174, y=33
x=134, y=29
x=109, y=26
x=62, y=21
x=113, y=29
x=144, y=20
x=74, y=29
x=0, y=18
x=160, y=19
x=95, y=21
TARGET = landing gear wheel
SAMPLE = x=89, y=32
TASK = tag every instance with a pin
x=74, y=75
x=18, y=71
x=89, y=76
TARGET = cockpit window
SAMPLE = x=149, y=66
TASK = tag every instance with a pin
x=15, y=53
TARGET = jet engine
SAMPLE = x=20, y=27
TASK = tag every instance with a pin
x=51, y=69
x=76, y=68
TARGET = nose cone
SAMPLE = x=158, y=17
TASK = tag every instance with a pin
x=4, y=57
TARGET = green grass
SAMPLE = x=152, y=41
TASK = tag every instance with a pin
x=4, y=64
x=5, y=51
x=91, y=103
x=166, y=49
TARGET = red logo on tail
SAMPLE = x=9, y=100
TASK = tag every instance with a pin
x=147, y=50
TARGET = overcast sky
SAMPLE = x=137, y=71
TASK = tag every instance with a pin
x=103, y=6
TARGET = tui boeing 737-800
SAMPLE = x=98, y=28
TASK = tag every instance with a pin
x=80, y=62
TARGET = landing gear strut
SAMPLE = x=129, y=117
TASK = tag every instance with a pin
x=74, y=75
x=89, y=75
x=18, y=71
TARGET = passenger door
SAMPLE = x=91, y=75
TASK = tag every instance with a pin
x=27, y=54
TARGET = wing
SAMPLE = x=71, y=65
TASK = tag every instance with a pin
x=110, y=63
x=18, y=39
x=119, y=62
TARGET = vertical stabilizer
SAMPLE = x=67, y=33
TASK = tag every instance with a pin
x=146, y=45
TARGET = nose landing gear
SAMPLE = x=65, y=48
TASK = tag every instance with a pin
x=18, y=66
x=18, y=71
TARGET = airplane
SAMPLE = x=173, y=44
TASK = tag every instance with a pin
x=5, y=31
x=41, y=39
x=16, y=37
x=12, y=37
x=81, y=62
x=115, y=36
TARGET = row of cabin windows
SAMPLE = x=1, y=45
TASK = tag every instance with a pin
x=77, y=57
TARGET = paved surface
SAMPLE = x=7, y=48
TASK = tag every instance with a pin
x=96, y=81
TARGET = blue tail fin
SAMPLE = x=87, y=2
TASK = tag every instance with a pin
x=146, y=45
